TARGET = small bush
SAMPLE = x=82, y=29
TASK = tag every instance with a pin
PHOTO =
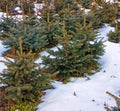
x=114, y=36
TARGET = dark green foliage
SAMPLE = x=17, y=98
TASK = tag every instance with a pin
x=32, y=36
x=70, y=10
x=78, y=55
x=28, y=8
x=61, y=5
x=86, y=3
x=91, y=19
x=113, y=24
x=69, y=1
x=6, y=23
x=105, y=12
x=49, y=32
x=114, y=36
x=32, y=21
x=49, y=26
x=23, y=80
x=70, y=23
x=45, y=15
x=71, y=14
x=10, y=3
x=115, y=108
x=99, y=2
x=39, y=1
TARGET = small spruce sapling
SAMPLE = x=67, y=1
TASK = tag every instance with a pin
x=23, y=79
x=115, y=36
x=78, y=55
x=31, y=34
x=5, y=24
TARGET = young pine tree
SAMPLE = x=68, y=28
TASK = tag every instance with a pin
x=23, y=79
x=115, y=36
x=60, y=57
x=5, y=24
x=78, y=55
x=31, y=34
x=49, y=25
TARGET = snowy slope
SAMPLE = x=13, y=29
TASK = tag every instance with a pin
x=88, y=95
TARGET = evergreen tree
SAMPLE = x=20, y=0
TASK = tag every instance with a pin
x=49, y=24
x=31, y=35
x=59, y=4
x=86, y=3
x=7, y=5
x=23, y=79
x=91, y=19
x=78, y=55
x=5, y=24
x=70, y=14
x=27, y=7
x=105, y=12
x=114, y=36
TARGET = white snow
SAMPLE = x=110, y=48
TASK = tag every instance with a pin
x=38, y=7
x=82, y=94
x=2, y=14
x=2, y=49
x=17, y=8
x=104, y=31
x=18, y=17
x=111, y=1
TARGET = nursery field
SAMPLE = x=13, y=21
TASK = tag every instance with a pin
x=60, y=55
